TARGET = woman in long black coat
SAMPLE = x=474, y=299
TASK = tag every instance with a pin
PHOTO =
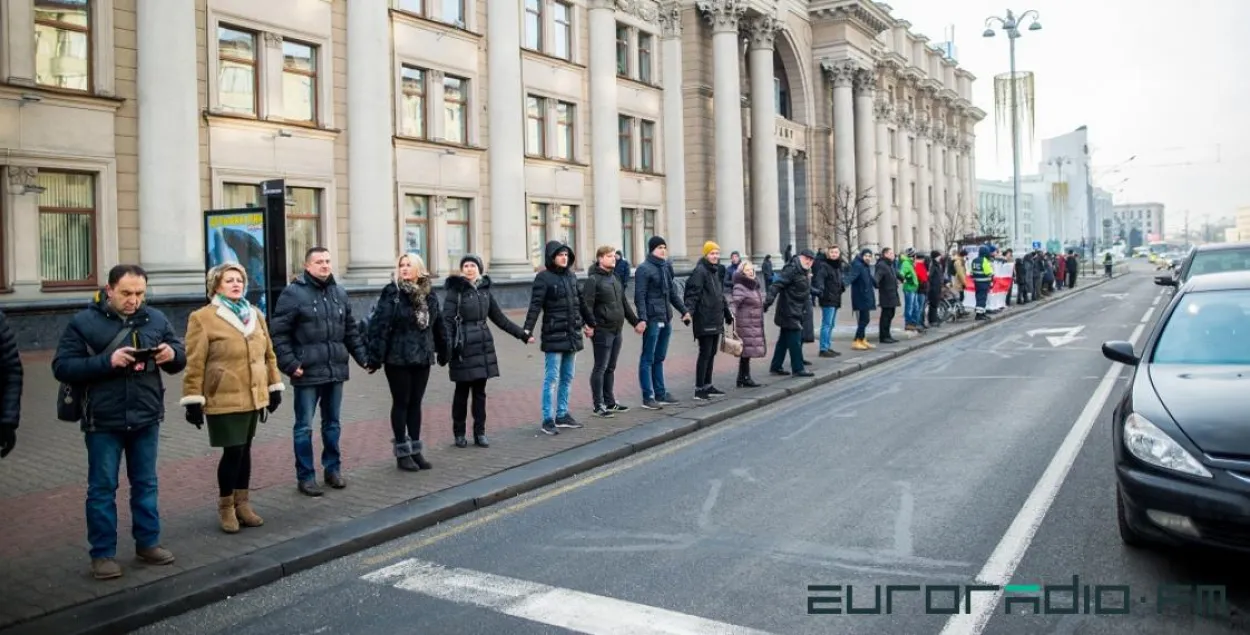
x=466, y=308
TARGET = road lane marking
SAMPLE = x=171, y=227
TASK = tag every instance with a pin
x=1011, y=549
x=1155, y=302
x=554, y=606
x=1149, y=312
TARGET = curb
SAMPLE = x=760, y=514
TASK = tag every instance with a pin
x=135, y=608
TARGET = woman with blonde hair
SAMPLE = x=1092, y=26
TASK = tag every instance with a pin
x=405, y=335
x=230, y=381
x=747, y=304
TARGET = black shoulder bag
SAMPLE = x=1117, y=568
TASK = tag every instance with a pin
x=70, y=398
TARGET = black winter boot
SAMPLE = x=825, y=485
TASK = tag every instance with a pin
x=403, y=456
x=417, y=447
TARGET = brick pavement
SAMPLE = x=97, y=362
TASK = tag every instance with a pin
x=43, y=554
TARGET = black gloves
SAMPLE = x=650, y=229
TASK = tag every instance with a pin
x=275, y=400
x=8, y=439
x=195, y=415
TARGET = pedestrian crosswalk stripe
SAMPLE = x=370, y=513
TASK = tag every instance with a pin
x=554, y=606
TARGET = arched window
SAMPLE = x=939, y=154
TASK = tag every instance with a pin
x=781, y=88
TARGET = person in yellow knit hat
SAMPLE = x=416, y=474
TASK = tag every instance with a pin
x=709, y=313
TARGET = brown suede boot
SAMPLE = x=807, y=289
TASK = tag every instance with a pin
x=243, y=509
x=225, y=508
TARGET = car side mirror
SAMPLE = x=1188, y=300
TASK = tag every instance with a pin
x=1121, y=352
x=1165, y=281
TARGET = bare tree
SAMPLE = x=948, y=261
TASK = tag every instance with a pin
x=992, y=221
x=951, y=224
x=846, y=216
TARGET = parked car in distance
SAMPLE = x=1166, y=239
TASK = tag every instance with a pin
x=1181, y=441
x=1207, y=259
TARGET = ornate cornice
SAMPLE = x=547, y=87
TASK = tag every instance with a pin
x=976, y=113
x=865, y=15
x=21, y=178
x=670, y=20
x=841, y=73
x=645, y=10
x=930, y=87
x=723, y=15
x=763, y=31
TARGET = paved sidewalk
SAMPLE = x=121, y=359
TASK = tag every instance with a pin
x=43, y=549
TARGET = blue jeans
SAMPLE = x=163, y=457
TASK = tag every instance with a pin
x=104, y=455
x=651, y=365
x=911, y=307
x=330, y=396
x=922, y=301
x=828, y=315
x=559, y=369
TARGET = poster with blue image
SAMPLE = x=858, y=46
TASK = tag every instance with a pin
x=238, y=235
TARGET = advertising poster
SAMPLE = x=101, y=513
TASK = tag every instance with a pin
x=238, y=235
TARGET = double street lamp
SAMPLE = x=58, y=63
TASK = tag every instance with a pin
x=1011, y=24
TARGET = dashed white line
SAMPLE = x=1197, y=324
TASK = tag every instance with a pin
x=554, y=606
x=1011, y=549
x=1146, y=318
x=1155, y=302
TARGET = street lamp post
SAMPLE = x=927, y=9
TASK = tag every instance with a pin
x=1011, y=24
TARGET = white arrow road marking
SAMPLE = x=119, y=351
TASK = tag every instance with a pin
x=1067, y=335
x=562, y=608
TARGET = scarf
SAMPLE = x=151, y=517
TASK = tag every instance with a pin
x=241, y=308
x=417, y=292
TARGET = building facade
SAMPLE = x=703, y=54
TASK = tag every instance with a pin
x=1144, y=218
x=444, y=127
x=996, y=211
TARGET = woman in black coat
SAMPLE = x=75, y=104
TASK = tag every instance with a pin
x=705, y=300
x=466, y=308
x=887, y=278
x=406, y=336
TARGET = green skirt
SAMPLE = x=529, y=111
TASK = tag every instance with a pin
x=228, y=430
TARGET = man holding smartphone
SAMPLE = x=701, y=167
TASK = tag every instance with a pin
x=114, y=351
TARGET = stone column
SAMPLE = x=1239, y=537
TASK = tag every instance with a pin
x=958, y=198
x=605, y=160
x=724, y=16
x=766, y=229
x=867, y=215
x=674, y=136
x=171, y=226
x=370, y=155
x=791, y=202
x=506, y=148
x=842, y=74
x=906, y=176
x=885, y=196
x=924, y=217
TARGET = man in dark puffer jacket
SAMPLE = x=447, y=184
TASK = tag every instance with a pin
x=604, y=297
x=557, y=295
x=314, y=335
x=10, y=387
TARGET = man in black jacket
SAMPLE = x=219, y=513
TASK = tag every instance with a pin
x=654, y=293
x=604, y=297
x=113, y=351
x=315, y=337
x=791, y=292
x=827, y=284
x=10, y=387
x=557, y=296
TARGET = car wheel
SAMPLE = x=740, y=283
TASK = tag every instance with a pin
x=1129, y=536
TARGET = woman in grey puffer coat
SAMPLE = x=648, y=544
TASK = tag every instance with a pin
x=747, y=304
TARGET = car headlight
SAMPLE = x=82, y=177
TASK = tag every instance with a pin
x=1152, y=445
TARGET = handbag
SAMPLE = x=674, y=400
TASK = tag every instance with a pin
x=731, y=343
x=70, y=397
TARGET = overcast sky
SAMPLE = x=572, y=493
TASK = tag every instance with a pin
x=1169, y=84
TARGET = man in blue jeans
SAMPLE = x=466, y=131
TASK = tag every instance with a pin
x=557, y=295
x=827, y=287
x=112, y=353
x=315, y=337
x=654, y=293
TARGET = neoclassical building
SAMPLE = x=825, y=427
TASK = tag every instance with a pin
x=445, y=127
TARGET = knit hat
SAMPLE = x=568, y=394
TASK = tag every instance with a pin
x=709, y=247
x=911, y=252
x=473, y=259
x=655, y=241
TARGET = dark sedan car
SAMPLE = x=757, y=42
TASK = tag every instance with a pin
x=1182, y=430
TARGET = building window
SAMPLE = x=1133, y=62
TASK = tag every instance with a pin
x=645, y=55
x=893, y=143
x=626, y=137
x=568, y=226
x=627, y=233
x=536, y=126
x=417, y=226
x=303, y=225
x=894, y=190
x=63, y=44
x=914, y=202
x=453, y=12
x=67, y=213
x=413, y=106
x=648, y=225
x=534, y=25
x=456, y=105
x=236, y=71
x=414, y=7
x=236, y=195
x=458, y=215
x=299, y=81
x=566, y=130
x=538, y=235
x=622, y=50
x=647, y=141
x=911, y=150
x=563, y=39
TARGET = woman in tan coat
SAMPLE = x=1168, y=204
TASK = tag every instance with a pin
x=231, y=379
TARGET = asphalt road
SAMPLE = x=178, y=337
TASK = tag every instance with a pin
x=937, y=470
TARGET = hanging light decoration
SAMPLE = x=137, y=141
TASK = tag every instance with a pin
x=1025, y=101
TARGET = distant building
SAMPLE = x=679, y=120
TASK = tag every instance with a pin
x=1137, y=219
x=996, y=213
